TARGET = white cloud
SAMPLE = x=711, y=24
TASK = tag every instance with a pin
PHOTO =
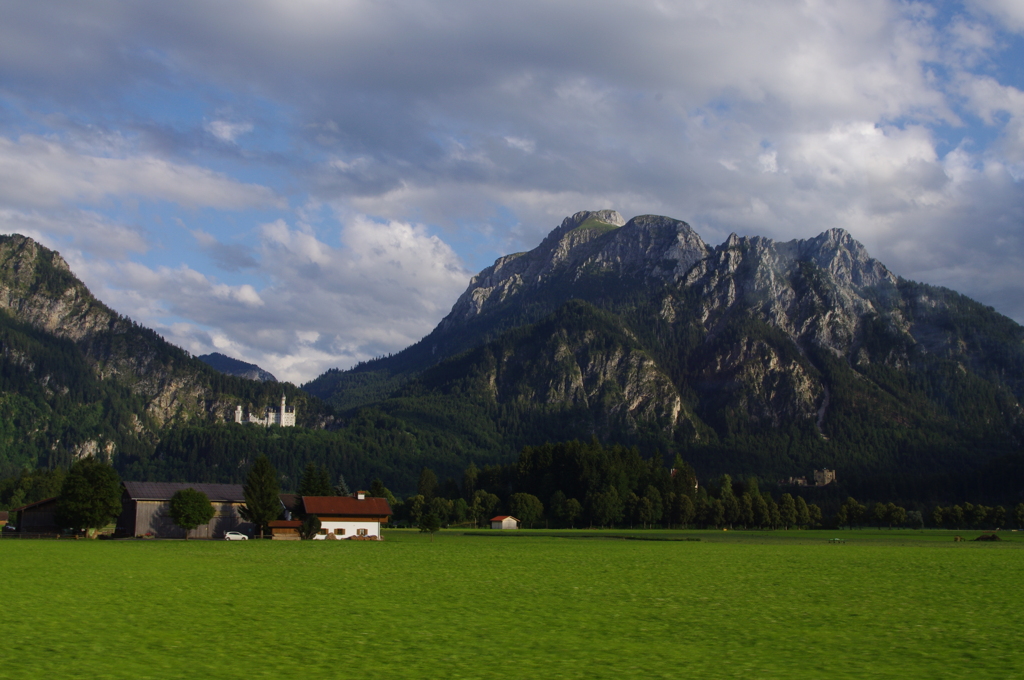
x=40, y=173
x=382, y=287
x=227, y=131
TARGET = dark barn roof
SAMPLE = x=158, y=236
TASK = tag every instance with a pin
x=346, y=505
x=162, y=491
x=37, y=504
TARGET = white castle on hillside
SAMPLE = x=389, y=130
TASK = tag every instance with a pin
x=285, y=417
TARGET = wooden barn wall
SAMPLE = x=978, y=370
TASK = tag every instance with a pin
x=155, y=517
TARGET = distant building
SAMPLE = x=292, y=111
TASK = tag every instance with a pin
x=504, y=522
x=821, y=478
x=283, y=418
x=824, y=477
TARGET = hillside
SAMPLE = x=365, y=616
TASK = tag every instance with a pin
x=76, y=378
x=752, y=357
x=229, y=366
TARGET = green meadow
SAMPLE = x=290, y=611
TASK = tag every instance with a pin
x=886, y=604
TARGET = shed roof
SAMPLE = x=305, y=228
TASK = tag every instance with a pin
x=284, y=524
x=29, y=506
x=346, y=505
x=500, y=518
x=162, y=491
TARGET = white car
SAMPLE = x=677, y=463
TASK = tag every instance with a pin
x=235, y=536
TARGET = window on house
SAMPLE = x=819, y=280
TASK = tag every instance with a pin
x=323, y=532
x=361, y=532
x=339, y=532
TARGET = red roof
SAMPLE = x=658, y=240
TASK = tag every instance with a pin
x=499, y=518
x=284, y=524
x=346, y=505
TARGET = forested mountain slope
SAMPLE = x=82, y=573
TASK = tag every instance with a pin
x=753, y=357
x=78, y=378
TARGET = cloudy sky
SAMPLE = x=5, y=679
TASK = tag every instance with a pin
x=305, y=184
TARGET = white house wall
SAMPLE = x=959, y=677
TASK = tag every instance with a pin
x=351, y=529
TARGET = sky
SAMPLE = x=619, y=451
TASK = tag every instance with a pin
x=306, y=184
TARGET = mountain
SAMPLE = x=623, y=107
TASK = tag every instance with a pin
x=76, y=378
x=751, y=357
x=241, y=369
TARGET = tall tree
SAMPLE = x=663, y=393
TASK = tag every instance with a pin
x=469, y=482
x=803, y=513
x=341, y=488
x=427, y=485
x=190, y=508
x=262, y=494
x=430, y=523
x=787, y=510
x=316, y=481
x=90, y=497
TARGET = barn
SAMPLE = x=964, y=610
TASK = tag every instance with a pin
x=347, y=517
x=504, y=522
x=38, y=517
x=145, y=509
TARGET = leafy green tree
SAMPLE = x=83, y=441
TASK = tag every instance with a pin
x=803, y=513
x=998, y=516
x=430, y=523
x=413, y=508
x=459, y=510
x=843, y=516
x=979, y=515
x=90, y=497
x=938, y=516
x=427, y=485
x=686, y=512
x=730, y=506
x=442, y=509
x=652, y=506
x=190, y=509
x=684, y=479
x=854, y=511
x=1018, y=515
x=773, y=512
x=469, y=482
x=487, y=504
x=879, y=513
x=895, y=515
x=915, y=520
x=787, y=510
x=606, y=507
x=746, y=517
x=716, y=513
x=814, y=514
x=262, y=494
x=309, y=528
x=526, y=507
x=378, y=490
x=955, y=516
x=315, y=481
x=762, y=515
x=571, y=510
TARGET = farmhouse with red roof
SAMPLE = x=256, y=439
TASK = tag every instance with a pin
x=504, y=522
x=345, y=517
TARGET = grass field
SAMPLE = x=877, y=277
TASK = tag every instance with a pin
x=887, y=604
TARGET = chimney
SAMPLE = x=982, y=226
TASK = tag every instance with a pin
x=361, y=495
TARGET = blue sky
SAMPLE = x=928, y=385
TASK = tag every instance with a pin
x=308, y=184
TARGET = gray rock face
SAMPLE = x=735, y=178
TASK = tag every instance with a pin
x=585, y=244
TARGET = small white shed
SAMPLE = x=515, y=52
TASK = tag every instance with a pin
x=504, y=522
